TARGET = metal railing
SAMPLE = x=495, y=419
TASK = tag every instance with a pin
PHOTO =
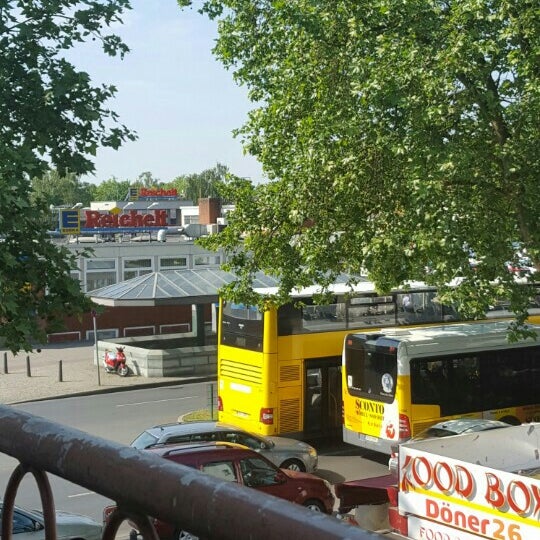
x=143, y=484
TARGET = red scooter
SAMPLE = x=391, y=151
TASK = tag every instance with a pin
x=116, y=363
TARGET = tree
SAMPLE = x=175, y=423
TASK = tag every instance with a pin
x=111, y=190
x=51, y=115
x=147, y=180
x=399, y=137
x=201, y=185
x=56, y=190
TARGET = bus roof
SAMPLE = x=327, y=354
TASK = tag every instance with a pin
x=453, y=337
x=343, y=286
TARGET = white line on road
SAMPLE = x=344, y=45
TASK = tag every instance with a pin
x=81, y=494
x=155, y=401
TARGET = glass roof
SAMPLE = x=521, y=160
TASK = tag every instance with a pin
x=172, y=287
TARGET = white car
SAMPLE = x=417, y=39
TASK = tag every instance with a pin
x=30, y=525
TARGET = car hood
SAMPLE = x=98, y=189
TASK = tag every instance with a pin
x=299, y=475
x=284, y=444
x=68, y=518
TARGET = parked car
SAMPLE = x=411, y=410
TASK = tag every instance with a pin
x=457, y=426
x=281, y=451
x=30, y=525
x=235, y=463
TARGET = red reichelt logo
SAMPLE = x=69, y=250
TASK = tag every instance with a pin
x=96, y=220
x=160, y=192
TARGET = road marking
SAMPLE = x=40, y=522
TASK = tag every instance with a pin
x=156, y=401
x=81, y=494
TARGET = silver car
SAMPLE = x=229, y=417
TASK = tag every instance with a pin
x=446, y=428
x=30, y=525
x=284, y=453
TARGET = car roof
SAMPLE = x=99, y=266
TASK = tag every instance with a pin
x=462, y=425
x=189, y=427
x=202, y=447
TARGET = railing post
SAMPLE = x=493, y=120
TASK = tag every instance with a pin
x=211, y=400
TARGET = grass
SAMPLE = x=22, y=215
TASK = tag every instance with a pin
x=201, y=414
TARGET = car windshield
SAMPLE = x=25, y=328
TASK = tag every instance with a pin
x=144, y=440
x=434, y=432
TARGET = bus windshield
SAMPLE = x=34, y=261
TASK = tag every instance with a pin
x=371, y=372
x=241, y=326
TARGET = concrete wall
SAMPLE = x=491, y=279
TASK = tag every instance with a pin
x=179, y=362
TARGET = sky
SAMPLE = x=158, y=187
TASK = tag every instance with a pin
x=180, y=100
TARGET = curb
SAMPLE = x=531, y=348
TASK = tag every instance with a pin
x=115, y=389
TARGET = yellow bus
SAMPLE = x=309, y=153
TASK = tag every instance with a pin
x=279, y=372
x=399, y=381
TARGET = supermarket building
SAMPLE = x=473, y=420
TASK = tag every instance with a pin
x=153, y=231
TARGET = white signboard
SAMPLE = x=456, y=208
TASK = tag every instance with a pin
x=470, y=500
x=422, y=529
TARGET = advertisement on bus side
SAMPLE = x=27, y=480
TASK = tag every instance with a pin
x=376, y=419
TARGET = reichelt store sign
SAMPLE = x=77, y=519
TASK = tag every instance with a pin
x=117, y=222
x=95, y=219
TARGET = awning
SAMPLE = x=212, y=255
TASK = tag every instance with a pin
x=374, y=490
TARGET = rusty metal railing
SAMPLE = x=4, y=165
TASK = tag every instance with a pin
x=143, y=484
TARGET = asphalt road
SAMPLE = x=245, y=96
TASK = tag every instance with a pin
x=120, y=417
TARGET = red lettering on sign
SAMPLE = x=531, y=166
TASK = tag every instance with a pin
x=146, y=192
x=418, y=471
x=96, y=220
x=442, y=513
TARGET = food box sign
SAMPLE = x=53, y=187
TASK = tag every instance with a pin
x=449, y=499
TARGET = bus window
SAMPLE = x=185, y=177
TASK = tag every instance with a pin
x=509, y=374
x=422, y=307
x=290, y=320
x=450, y=382
x=241, y=326
x=371, y=374
x=310, y=317
x=371, y=311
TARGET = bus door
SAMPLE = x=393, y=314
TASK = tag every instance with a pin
x=322, y=404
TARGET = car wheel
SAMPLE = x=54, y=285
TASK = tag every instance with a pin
x=316, y=506
x=293, y=465
x=184, y=535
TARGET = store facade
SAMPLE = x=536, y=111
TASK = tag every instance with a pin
x=117, y=241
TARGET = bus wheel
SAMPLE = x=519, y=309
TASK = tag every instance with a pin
x=293, y=465
x=512, y=420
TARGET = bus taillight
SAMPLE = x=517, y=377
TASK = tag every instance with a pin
x=219, y=403
x=404, y=427
x=267, y=416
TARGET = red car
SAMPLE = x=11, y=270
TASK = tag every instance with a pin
x=240, y=464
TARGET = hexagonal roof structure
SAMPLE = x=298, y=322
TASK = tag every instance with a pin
x=172, y=287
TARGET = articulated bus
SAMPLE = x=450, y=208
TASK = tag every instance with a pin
x=279, y=372
x=400, y=381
